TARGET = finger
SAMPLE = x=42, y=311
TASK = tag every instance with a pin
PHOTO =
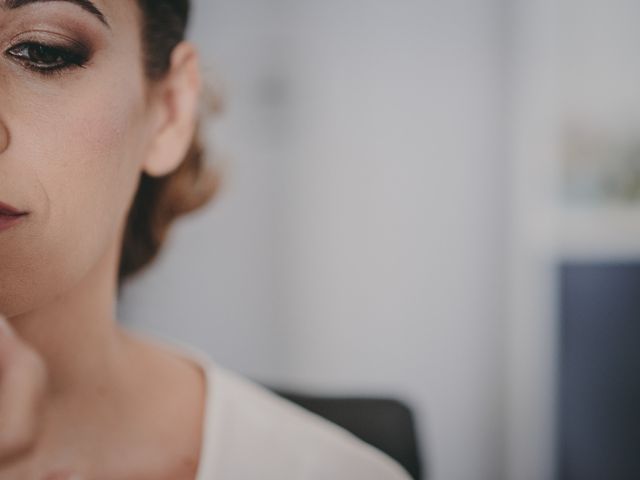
x=22, y=387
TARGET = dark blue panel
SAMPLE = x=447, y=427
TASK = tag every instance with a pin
x=599, y=377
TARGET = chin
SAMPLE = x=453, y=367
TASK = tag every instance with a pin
x=32, y=285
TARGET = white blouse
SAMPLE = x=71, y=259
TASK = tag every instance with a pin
x=251, y=433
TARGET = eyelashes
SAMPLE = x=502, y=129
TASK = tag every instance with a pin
x=46, y=59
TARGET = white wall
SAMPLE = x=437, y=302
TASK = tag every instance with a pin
x=396, y=190
x=358, y=245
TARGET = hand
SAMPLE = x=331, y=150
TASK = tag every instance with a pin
x=23, y=381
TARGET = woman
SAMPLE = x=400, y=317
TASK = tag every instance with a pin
x=98, y=155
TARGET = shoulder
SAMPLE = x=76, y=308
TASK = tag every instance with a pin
x=254, y=433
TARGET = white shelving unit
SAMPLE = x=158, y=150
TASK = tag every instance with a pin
x=572, y=60
x=605, y=233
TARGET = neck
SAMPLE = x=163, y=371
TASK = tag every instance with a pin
x=108, y=392
x=77, y=334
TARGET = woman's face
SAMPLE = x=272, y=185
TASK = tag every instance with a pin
x=72, y=140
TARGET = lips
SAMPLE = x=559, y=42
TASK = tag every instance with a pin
x=9, y=211
x=10, y=216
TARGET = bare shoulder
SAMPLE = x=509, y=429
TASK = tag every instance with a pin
x=253, y=425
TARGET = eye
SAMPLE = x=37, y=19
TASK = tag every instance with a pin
x=46, y=59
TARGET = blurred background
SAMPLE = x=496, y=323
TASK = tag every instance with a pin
x=434, y=201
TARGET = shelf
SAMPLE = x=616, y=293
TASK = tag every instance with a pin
x=598, y=233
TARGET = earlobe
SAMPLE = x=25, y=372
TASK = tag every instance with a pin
x=177, y=96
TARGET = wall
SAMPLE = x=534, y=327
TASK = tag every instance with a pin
x=396, y=193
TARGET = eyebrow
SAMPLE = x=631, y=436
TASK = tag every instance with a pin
x=87, y=5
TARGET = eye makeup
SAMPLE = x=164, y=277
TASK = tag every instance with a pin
x=47, y=53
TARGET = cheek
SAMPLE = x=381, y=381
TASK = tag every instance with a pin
x=100, y=146
x=81, y=156
x=91, y=178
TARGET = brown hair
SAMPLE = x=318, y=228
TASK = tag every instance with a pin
x=160, y=200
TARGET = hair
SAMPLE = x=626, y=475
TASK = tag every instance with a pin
x=160, y=200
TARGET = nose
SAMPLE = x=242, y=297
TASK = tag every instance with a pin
x=4, y=137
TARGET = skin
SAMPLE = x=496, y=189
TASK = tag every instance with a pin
x=79, y=393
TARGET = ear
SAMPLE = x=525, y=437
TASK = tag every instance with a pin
x=175, y=111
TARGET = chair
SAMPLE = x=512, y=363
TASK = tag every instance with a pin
x=385, y=423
